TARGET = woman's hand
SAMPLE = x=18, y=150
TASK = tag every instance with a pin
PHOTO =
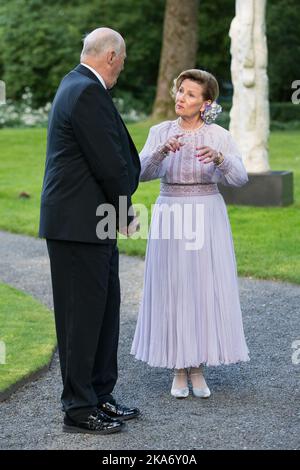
x=172, y=144
x=208, y=155
x=133, y=227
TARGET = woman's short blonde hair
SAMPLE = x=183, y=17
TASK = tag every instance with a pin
x=206, y=79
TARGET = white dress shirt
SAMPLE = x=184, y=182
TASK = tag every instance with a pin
x=96, y=73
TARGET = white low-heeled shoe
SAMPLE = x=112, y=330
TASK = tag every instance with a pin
x=179, y=392
x=200, y=392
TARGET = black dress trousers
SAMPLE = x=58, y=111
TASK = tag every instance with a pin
x=86, y=292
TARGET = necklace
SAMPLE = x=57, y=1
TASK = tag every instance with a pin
x=179, y=120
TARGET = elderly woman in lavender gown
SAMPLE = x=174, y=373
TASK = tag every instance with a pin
x=190, y=311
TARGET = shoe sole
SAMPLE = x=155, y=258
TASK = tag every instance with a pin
x=180, y=397
x=126, y=418
x=201, y=396
x=76, y=429
x=123, y=418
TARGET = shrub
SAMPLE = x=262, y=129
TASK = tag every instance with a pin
x=22, y=113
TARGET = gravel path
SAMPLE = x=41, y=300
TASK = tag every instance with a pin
x=253, y=405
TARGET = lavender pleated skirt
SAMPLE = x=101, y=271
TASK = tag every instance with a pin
x=190, y=310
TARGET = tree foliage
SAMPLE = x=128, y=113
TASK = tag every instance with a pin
x=40, y=41
x=214, y=42
x=284, y=47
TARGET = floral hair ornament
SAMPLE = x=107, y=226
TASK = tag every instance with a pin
x=210, y=114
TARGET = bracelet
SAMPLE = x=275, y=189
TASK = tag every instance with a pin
x=219, y=159
x=162, y=152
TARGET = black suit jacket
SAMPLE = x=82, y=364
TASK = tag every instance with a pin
x=91, y=159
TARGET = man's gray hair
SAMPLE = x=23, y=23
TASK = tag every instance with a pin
x=101, y=40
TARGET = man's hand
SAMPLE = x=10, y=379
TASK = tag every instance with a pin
x=133, y=227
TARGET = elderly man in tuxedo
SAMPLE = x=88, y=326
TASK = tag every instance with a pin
x=91, y=160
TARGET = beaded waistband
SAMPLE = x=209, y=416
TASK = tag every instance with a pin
x=167, y=189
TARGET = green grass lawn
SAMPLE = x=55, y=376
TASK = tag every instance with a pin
x=266, y=240
x=27, y=330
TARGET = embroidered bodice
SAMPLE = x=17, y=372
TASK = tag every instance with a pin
x=183, y=167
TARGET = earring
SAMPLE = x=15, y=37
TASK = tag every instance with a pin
x=211, y=112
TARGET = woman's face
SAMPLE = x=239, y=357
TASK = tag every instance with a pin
x=189, y=100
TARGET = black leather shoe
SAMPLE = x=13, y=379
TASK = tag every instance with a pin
x=96, y=423
x=114, y=410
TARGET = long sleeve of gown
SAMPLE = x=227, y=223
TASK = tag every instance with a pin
x=152, y=159
x=231, y=172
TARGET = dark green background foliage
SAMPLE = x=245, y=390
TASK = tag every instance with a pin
x=40, y=41
x=284, y=47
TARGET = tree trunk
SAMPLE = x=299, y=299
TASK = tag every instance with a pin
x=179, y=49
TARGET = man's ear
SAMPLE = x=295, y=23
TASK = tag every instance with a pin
x=206, y=103
x=110, y=57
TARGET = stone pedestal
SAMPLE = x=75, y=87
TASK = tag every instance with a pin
x=272, y=188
